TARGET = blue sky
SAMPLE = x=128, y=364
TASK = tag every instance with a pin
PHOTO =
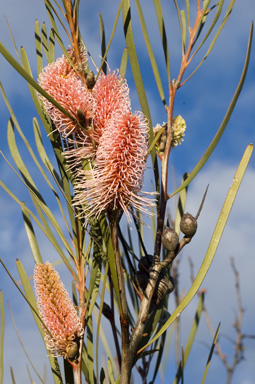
x=203, y=102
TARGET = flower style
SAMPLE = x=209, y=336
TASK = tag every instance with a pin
x=64, y=329
x=117, y=178
x=62, y=82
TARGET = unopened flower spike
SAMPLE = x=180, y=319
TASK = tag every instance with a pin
x=178, y=129
x=57, y=312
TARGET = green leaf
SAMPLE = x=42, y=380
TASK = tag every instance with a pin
x=2, y=318
x=213, y=243
x=228, y=12
x=30, y=80
x=38, y=47
x=110, y=40
x=111, y=257
x=150, y=53
x=191, y=339
x=211, y=354
x=183, y=29
x=100, y=314
x=31, y=237
x=180, y=206
x=30, y=183
x=123, y=64
x=162, y=31
x=103, y=46
x=110, y=372
x=126, y=11
x=224, y=123
x=51, y=47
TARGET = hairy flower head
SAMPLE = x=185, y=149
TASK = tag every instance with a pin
x=61, y=80
x=178, y=129
x=117, y=178
x=111, y=94
x=56, y=309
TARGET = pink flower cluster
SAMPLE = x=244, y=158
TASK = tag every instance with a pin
x=107, y=143
x=64, y=329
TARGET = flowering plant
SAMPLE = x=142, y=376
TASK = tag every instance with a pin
x=102, y=149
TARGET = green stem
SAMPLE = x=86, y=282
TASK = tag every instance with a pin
x=126, y=367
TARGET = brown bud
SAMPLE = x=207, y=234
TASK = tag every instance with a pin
x=188, y=225
x=170, y=239
x=90, y=79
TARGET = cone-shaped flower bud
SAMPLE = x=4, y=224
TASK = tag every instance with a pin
x=170, y=239
x=178, y=129
x=57, y=312
x=188, y=225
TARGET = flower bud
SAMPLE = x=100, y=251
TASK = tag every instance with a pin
x=170, y=239
x=188, y=225
x=90, y=79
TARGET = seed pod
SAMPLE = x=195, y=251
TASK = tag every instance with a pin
x=142, y=279
x=90, y=79
x=170, y=239
x=145, y=263
x=163, y=288
x=188, y=225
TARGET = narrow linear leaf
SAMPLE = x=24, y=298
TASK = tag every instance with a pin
x=103, y=42
x=183, y=29
x=99, y=317
x=213, y=243
x=111, y=38
x=45, y=41
x=180, y=206
x=31, y=237
x=51, y=47
x=38, y=48
x=224, y=123
x=210, y=354
x=123, y=64
x=30, y=183
x=126, y=11
x=162, y=31
x=150, y=53
x=228, y=12
x=191, y=339
x=30, y=79
x=24, y=348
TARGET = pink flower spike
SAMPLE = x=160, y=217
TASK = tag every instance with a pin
x=57, y=312
x=61, y=81
x=111, y=94
x=117, y=178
